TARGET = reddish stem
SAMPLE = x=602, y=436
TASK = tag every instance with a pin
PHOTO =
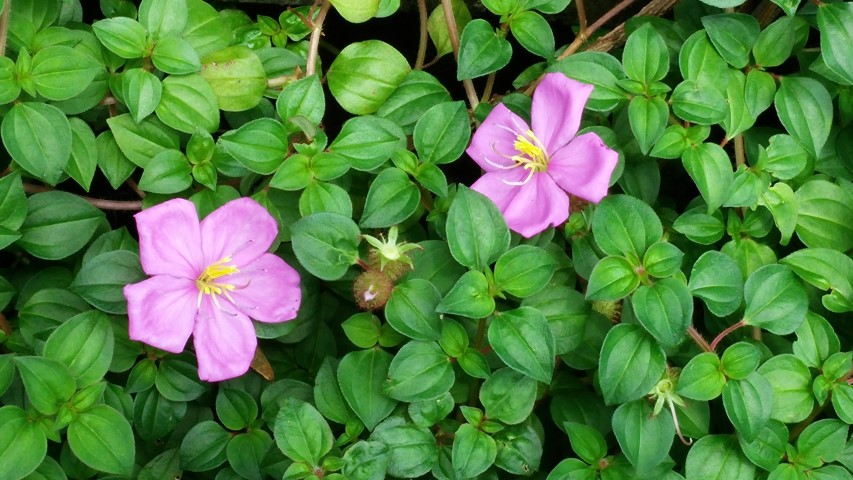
x=725, y=332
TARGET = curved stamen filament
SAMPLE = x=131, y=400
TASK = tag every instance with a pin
x=530, y=154
x=207, y=285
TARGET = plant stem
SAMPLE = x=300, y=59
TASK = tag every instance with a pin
x=725, y=332
x=616, y=36
x=453, y=33
x=120, y=205
x=583, y=35
x=740, y=151
x=4, y=26
x=581, y=16
x=699, y=339
x=422, y=41
x=133, y=186
x=487, y=90
x=316, y=33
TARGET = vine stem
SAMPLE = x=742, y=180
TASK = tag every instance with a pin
x=581, y=15
x=120, y=205
x=617, y=35
x=725, y=332
x=740, y=151
x=699, y=339
x=453, y=33
x=314, y=42
x=422, y=40
x=4, y=26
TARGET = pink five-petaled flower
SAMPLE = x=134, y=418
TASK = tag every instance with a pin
x=531, y=171
x=207, y=279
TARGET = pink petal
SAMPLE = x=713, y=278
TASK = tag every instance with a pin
x=495, y=140
x=241, y=229
x=530, y=208
x=161, y=311
x=583, y=167
x=169, y=239
x=224, y=341
x=271, y=292
x=558, y=104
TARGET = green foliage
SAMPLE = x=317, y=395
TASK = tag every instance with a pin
x=705, y=297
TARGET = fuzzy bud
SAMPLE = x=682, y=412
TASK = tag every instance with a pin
x=372, y=289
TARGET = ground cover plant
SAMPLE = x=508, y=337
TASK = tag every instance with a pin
x=563, y=240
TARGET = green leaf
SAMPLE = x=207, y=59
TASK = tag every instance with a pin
x=321, y=197
x=188, y=103
x=102, y=438
x=23, y=444
x=699, y=61
x=246, y=452
x=411, y=310
x=10, y=87
x=361, y=375
x=508, y=396
x=624, y=225
x=648, y=117
x=13, y=202
x=824, y=215
x=791, y=381
x=644, y=438
x=392, y=198
x=775, y=43
x=835, y=22
x=481, y=50
x=533, y=33
x=474, y=451
x=612, y=278
x=177, y=380
x=237, y=77
x=141, y=91
x=717, y=457
x=775, y=300
x=413, y=450
x=711, y=170
x=327, y=393
x=163, y=17
x=586, y=441
x=123, y=36
x=112, y=162
x=524, y=270
x=469, y=297
x=442, y=133
x=141, y=141
x=237, y=409
x=785, y=158
x=366, y=460
x=665, y=310
x=758, y=91
x=175, y=56
x=740, y=360
x=356, y=11
x=52, y=234
x=61, y=72
x=370, y=66
x=168, y=172
x=523, y=340
x=631, y=363
x=566, y=311
x=748, y=403
x=599, y=69
x=418, y=92
x=476, y=231
x=716, y=279
x=816, y=340
x=203, y=447
x=368, y=142
x=42, y=156
x=662, y=259
x=646, y=57
x=805, y=109
x=738, y=118
x=702, y=378
x=84, y=344
x=768, y=447
x=326, y=244
x=822, y=441
x=419, y=371
x=301, y=432
x=694, y=102
x=733, y=34
x=304, y=98
x=293, y=174
x=260, y=145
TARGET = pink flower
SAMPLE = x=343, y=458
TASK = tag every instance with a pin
x=207, y=279
x=530, y=172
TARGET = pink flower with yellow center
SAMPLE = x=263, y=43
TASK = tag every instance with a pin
x=209, y=279
x=530, y=171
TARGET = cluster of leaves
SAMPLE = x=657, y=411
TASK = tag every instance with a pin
x=579, y=353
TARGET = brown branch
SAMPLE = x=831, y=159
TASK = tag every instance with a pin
x=120, y=205
x=616, y=36
x=453, y=33
x=581, y=16
x=4, y=26
x=422, y=40
x=699, y=339
x=314, y=42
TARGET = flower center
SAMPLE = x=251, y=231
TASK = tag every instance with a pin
x=207, y=284
x=531, y=153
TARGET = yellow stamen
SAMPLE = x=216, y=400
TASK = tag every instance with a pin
x=530, y=155
x=207, y=285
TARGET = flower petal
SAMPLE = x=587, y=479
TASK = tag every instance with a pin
x=169, y=239
x=224, y=341
x=241, y=229
x=271, y=292
x=558, y=104
x=494, y=141
x=161, y=311
x=583, y=167
x=530, y=208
